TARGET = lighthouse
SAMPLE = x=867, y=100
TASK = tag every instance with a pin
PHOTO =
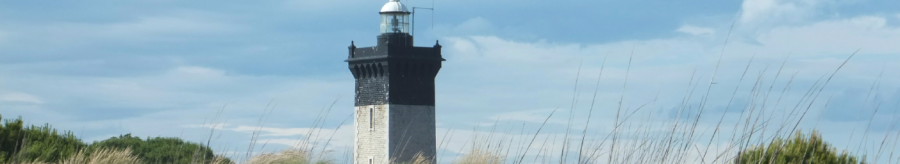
x=395, y=106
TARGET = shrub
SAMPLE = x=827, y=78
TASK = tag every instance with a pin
x=161, y=149
x=799, y=149
x=35, y=143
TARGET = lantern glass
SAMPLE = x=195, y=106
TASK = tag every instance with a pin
x=395, y=22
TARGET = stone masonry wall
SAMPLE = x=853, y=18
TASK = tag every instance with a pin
x=371, y=143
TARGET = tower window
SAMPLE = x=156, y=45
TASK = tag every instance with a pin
x=371, y=115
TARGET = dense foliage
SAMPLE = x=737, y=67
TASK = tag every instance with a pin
x=159, y=149
x=799, y=149
x=19, y=143
x=35, y=143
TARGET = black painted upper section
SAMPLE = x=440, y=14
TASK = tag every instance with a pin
x=394, y=71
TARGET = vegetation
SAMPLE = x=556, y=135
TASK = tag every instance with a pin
x=39, y=144
x=35, y=143
x=290, y=156
x=159, y=149
x=481, y=156
x=799, y=149
x=104, y=156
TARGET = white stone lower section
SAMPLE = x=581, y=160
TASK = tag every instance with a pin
x=393, y=132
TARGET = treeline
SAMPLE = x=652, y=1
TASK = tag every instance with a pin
x=30, y=144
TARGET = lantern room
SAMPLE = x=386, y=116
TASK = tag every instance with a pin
x=394, y=18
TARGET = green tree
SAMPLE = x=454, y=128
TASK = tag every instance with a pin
x=800, y=149
x=160, y=149
x=19, y=143
x=35, y=143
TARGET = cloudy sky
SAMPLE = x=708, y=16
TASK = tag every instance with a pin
x=102, y=68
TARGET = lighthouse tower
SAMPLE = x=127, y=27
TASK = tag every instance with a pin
x=394, y=112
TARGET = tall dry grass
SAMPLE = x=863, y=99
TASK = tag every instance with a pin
x=99, y=156
x=481, y=156
x=289, y=156
x=418, y=158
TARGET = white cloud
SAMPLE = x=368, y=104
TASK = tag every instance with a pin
x=694, y=30
x=472, y=26
x=477, y=24
x=757, y=11
x=197, y=72
x=20, y=98
x=341, y=136
x=217, y=126
x=168, y=25
x=173, y=27
x=835, y=36
x=274, y=131
x=318, y=8
x=534, y=116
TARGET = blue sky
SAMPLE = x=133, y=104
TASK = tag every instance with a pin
x=165, y=68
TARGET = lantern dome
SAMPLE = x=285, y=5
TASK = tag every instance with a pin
x=394, y=6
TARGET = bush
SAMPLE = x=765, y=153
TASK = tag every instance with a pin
x=161, y=149
x=35, y=143
x=800, y=149
x=40, y=144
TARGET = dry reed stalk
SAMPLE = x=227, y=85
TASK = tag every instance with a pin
x=564, y=151
x=100, y=156
x=590, y=111
x=619, y=109
x=535, y=136
x=481, y=156
x=289, y=156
